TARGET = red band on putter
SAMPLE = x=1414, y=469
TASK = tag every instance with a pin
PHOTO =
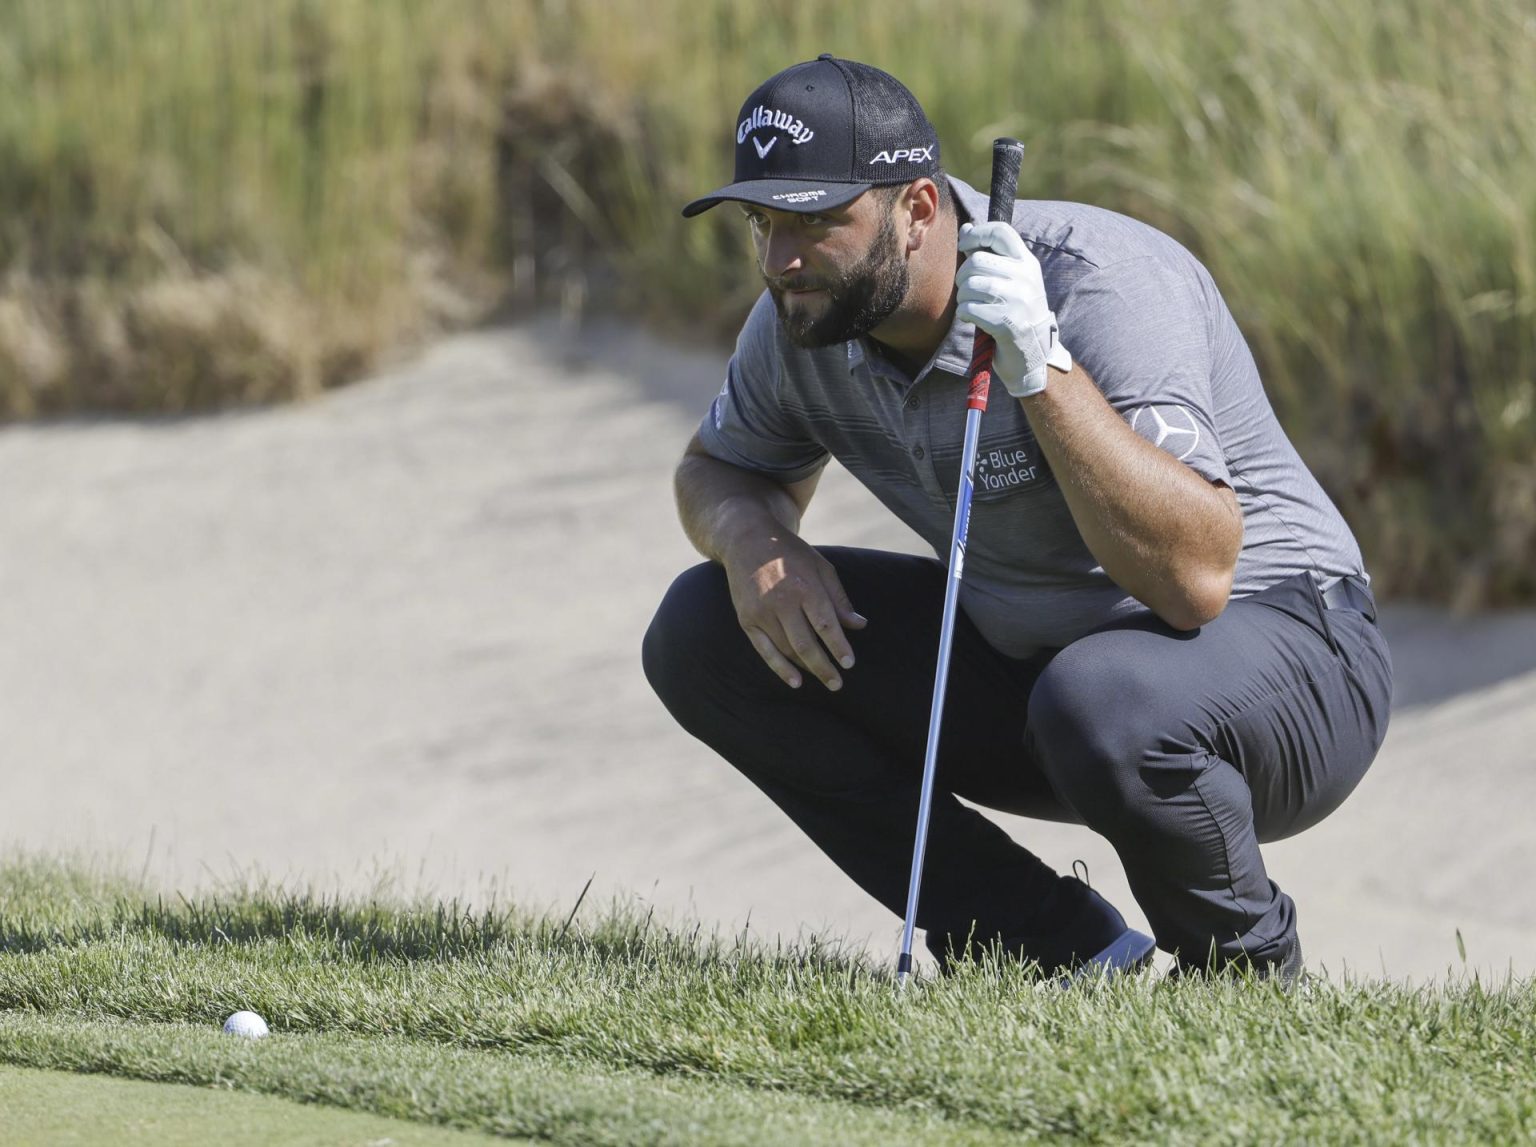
x=981, y=382
x=981, y=373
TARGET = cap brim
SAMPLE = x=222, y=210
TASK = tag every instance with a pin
x=800, y=196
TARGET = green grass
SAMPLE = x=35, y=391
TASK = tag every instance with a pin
x=613, y=1028
x=56, y=1108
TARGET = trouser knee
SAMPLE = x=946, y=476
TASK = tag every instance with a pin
x=688, y=635
x=1094, y=730
x=718, y=689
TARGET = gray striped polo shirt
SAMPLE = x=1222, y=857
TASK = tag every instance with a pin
x=1146, y=321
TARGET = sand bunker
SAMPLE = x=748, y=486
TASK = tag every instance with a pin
x=393, y=634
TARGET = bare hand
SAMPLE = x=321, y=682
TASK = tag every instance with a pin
x=793, y=608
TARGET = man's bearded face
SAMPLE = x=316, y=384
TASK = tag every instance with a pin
x=856, y=300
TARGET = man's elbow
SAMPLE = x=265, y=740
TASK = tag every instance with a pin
x=1202, y=583
x=1198, y=599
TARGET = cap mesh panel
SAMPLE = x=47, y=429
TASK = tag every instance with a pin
x=887, y=117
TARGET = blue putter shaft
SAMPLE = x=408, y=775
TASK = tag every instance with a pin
x=1007, y=156
x=940, y=681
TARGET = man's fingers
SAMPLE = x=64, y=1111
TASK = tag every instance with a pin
x=775, y=660
x=982, y=289
x=800, y=644
x=991, y=317
x=825, y=622
x=991, y=236
x=851, y=618
x=794, y=610
x=987, y=267
x=806, y=644
x=846, y=614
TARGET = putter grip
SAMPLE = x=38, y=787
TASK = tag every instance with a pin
x=1007, y=156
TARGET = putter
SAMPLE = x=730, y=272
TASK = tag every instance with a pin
x=1007, y=155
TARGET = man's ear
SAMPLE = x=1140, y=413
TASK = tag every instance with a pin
x=920, y=200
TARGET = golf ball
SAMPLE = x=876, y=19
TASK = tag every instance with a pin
x=247, y=1024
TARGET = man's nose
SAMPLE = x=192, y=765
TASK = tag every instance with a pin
x=782, y=252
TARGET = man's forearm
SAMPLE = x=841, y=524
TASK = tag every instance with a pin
x=788, y=597
x=1165, y=534
x=719, y=503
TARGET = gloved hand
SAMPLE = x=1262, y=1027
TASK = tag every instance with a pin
x=1002, y=292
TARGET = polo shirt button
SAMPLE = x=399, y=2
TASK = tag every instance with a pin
x=914, y=402
x=917, y=451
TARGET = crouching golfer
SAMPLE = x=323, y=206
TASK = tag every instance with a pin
x=1165, y=630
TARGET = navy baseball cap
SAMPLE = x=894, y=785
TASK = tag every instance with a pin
x=820, y=134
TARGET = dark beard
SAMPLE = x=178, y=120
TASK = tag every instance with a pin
x=859, y=299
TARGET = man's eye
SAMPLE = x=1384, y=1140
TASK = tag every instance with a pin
x=755, y=219
x=814, y=220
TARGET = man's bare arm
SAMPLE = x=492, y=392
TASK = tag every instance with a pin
x=1165, y=534
x=788, y=598
x=717, y=502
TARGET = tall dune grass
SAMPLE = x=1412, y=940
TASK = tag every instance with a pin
x=204, y=201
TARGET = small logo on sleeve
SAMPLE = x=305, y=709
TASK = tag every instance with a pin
x=1170, y=428
x=717, y=408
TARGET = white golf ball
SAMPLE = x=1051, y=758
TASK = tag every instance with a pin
x=247, y=1024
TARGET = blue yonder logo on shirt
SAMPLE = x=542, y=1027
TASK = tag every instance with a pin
x=1004, y=468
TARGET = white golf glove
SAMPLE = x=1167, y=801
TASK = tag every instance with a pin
x=1002, y=292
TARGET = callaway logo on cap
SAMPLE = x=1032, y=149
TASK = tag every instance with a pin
x=820, y=134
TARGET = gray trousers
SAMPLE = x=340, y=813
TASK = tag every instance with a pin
x=1185, y=750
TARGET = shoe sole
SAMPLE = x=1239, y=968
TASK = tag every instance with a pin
x=1128, y=952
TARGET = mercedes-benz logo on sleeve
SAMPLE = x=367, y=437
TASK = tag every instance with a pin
x=1173, y=428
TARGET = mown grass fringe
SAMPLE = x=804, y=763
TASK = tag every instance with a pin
x=450, y=1014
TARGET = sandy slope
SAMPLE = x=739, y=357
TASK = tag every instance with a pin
x=394, y=633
